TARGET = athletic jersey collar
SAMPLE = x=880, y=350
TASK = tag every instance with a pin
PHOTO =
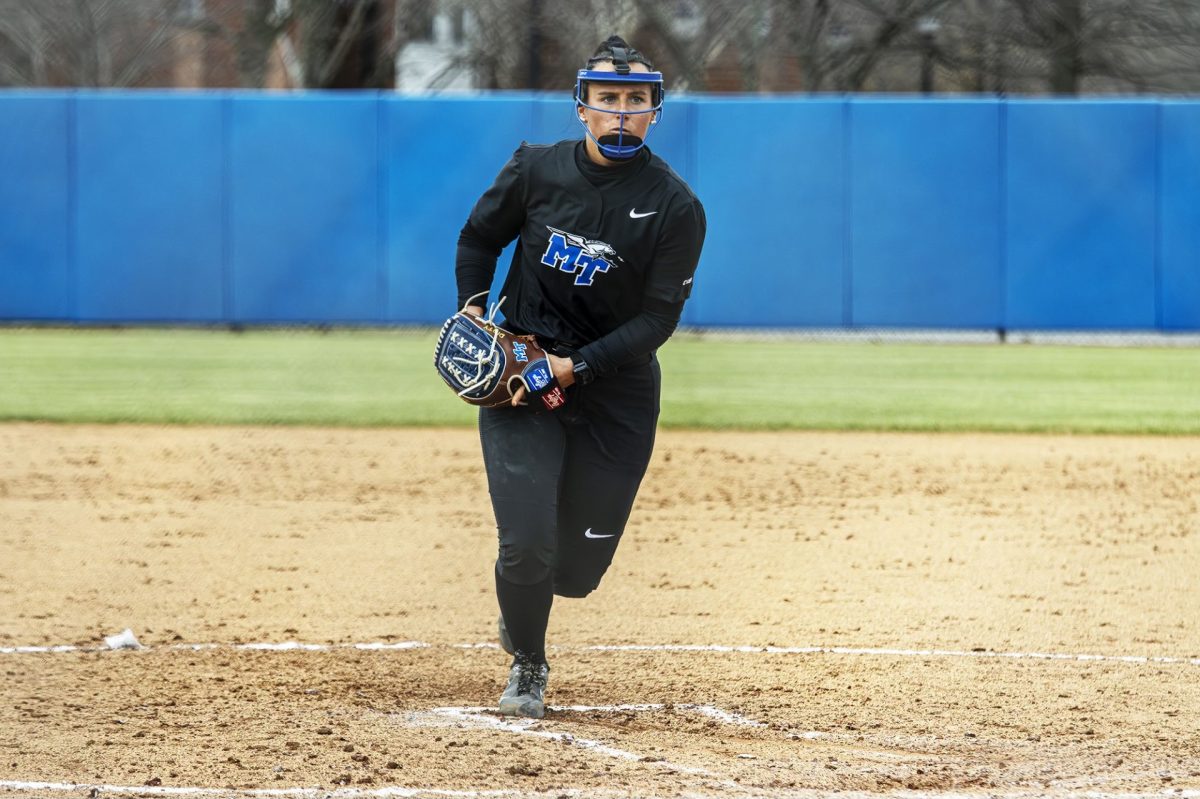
x=603, y=176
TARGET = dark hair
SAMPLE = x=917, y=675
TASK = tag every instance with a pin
x=618, y=51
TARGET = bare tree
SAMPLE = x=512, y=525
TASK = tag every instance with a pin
x=25, y=46
x=533, y=44
x=112, y=43
x=576, y=28
x=981, y=46
x=344, y=43
x=496, y=44
x=1159, y=53
x=813, y=33
x=1146, y=45
x=995, y=46
x=1055, y=28
x=264, y=22
x=740, y=27
x=1071, y=46
x=992, y=46
x=822, y=45
x=882, y=30
x=972, y=53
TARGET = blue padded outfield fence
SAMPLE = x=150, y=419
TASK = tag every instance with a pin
x=231, y=207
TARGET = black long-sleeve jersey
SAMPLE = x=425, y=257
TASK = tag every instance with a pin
x=605, y=256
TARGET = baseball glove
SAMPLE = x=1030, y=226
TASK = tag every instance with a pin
x=484, y=363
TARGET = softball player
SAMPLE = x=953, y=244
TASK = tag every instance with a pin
x=608, y=238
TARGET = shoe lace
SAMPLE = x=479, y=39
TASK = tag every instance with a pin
x=531, y=673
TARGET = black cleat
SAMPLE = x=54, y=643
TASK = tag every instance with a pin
x=526, y=691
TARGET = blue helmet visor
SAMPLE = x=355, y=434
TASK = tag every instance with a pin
x=623, y=145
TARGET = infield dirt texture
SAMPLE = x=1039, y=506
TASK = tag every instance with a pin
x=869, y=548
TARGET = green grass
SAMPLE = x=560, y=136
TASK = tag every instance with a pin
x=366, y=378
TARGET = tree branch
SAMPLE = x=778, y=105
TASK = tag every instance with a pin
x=346, y=37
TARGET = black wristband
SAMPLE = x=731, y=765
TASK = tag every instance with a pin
x=583, y=372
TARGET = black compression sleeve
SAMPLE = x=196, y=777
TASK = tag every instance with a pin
x=495, y=220
x=638, y=337
x=474, y=266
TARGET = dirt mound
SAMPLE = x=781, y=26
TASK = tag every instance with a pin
x=914, y=585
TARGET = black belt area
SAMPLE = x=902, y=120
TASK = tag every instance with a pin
x=559, y=348
x=565, y=349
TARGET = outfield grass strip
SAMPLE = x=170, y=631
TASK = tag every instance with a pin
x=386, y=378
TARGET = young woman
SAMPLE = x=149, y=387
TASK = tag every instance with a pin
x=608, y=241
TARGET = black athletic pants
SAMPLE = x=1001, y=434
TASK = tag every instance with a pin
x=562, y=485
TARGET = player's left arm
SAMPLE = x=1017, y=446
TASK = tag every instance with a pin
x=668, y=285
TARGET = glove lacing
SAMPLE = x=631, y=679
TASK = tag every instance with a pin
x=482, y=361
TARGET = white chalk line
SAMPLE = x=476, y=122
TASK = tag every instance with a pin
x=282, y=646
x=484, y=718
x=487, y=718
x=291, y=793
x=575, y=793
x=923, y=653
x=723, y=716
x=295, y=646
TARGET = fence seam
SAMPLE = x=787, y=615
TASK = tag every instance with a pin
x=227, y=298
x=1159, y=132
x=1002, y=211
x=73, y=207
x=382, y=237
x=847, y=215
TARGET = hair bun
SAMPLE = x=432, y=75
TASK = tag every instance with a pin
x=615, y=48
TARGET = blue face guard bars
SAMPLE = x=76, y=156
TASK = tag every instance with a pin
x=623, y=145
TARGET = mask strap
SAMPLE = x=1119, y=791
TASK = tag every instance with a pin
x=620, y=59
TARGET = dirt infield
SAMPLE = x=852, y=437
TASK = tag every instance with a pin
x=913, y=589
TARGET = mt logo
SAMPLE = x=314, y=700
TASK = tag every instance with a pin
x=584, y=257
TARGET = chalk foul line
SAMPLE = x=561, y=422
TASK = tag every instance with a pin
x=486, y=718
x=265, y=646
x=295, y=646
x=923, y=653
x=575, y=793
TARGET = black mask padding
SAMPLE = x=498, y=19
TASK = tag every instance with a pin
x=613, y=140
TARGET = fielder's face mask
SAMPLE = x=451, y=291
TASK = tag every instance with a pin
x=619, y=146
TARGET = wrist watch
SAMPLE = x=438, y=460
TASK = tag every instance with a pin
x=583, y=372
